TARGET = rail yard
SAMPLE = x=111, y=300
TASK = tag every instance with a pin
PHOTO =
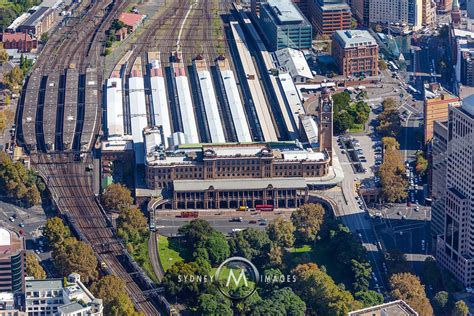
x=181, y=84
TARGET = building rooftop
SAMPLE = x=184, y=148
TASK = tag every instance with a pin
x=285, y=12
x=468, y=104
x=395, y=308
x=70, y=309
x=332, y=4
x=36, y=17
x=246, y=184
x=294, y=61
x=354, y=38
x=10, y=243
x=41, y=285
x=130, y=19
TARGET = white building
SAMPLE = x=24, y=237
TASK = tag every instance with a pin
x=295, y=63
x=56, y=297
x=396, y=11
x=455, y=246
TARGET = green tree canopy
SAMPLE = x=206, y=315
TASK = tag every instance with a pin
x=280, y=302
x=369, y=298
x=440, y=301
x=215, y=247
x=76, y=256
x=308, y=219
x=460, y=309
x=131, y=224
x=407, y=287
x=116, y=197
x=249, y=243
x=55, y=231
x=210, y=305
x=389, y=119
x=33, y=267
x=281, y=231
x=3, y=55
x=111, y=289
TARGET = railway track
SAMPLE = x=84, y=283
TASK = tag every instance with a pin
x=71, y=189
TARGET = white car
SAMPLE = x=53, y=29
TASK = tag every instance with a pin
x=12, y=219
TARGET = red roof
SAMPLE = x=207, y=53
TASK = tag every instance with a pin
x=130, y=19
x=16, y=37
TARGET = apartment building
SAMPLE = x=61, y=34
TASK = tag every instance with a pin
x=396, y=11
x=12, y=261
x=61, y=297
x=329, y=16
x=455, y=246
x=356, y=53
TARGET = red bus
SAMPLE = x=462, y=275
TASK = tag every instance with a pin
x=264, y=207
x=189, y=214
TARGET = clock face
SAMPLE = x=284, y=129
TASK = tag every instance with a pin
x=327, y=108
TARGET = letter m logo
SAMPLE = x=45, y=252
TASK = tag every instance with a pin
x=236, y=280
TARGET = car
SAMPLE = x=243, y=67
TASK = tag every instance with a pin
x=263, y=223
x=21, y=225
x=360, y=235
x=14, y=215
x=253, y=222
x=41, y=243
x=37, y=252
x=399, y=213
x=236, y=219
x=361, y=207
x=12, y=219
x=343, y=151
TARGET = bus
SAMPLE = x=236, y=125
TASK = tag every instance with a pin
x=264, y=207
x=392, y=66
x=189, y=214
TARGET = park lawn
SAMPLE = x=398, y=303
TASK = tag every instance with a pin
x=301, y=248
x=140, y=254
x=168, y=256
x=356, y=128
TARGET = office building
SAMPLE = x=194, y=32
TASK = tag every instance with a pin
x=397, y=11
x=467, y=68
x=428, y=12
x=255, y=6
x=455, y=246
x=437, y=175
x=12, y=261
x=61, y=297
x=8, y=306
x=444, y=6
x=436, y=104
x=329, y=16
x=395, y=308
x=302, y=5
x=356, y=53
x=360, y=10
x=284, y=25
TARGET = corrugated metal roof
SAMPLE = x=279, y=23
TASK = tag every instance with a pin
x=210, y=104
x=231, y=184
x=114, y=107
x=138, y=116
x=294, y=61
x=294, y=106
x=187, y=111
x=161, y=112
x=236, y=108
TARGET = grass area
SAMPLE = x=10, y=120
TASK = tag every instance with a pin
x=301, y=248
x=168, y=255
x=356, y=128
x=139, y=252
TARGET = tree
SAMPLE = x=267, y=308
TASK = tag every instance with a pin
x=342, y=122
x=14, y=79
x=281, y=302
x=460, y=309
x=392, y=172
x=111, y=290
x=7, y=100
x=249, y=243
x=76, y=256
x=389, y=119
x=440, y=301
x=116, y=197
x=407, y=287
x=107, y=52
x=369, y=298
x=421, y=163
x=215, y=247
x=55, y=231
x=44, y=37
x=3, y=55
x=131, y=224
x=382, y=64
x=195, y=231
x=390, y=143
x=308, y=219
x=210, y=304
x=33, y=196
x=361, y=272
x=33, y=267
x=281, y=232
x=431, y=274
x=275, y=256
x=396, y=261
x=320, y=292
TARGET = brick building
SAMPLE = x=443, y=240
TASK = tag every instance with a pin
x=39, y=22
x=329, y=16
x=356, y=53
x=23, y=42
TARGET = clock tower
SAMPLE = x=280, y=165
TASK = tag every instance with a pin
x=325, y=122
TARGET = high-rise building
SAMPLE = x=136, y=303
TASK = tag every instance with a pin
x=255, y=6
x=356, y=53
x=470, y=8
x=12, y=262
x=455, y=246
x=456, y=13
x=284, y=25
x=428, y=12
x=329, y=16
x=360, y=10
x=396, y=11
x=437, y=174
x=443, y=6
x=436, y=104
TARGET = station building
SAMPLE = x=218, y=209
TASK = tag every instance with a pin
x=284, y=25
